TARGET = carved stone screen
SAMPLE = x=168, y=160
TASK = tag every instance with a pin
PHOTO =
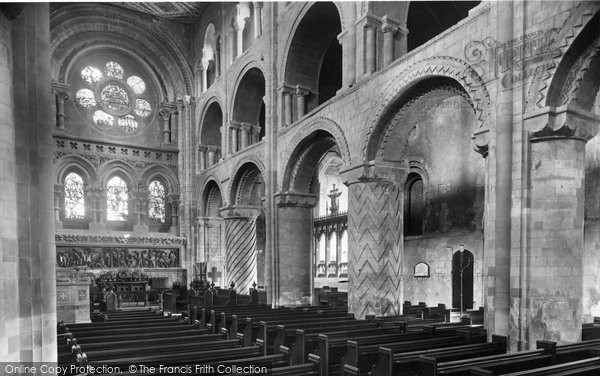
x=117, y=257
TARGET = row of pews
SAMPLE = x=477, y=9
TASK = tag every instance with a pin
x=323, y=341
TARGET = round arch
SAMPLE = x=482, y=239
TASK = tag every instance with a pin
x=211, y=120
x=399, y=89
x=247, y=187
x=312, y=58
x=212, y=199
x=304, y=159
x=577, y=77
x=74, y=20
x=248, y=103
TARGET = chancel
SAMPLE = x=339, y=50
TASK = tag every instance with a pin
x=316, y=188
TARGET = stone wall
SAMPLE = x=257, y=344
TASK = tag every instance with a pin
x=27, y=271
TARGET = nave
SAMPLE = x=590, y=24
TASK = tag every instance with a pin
x=254, y=339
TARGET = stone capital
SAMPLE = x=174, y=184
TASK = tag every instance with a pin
x=297, y=199
x=389, y=25
x=375, y=171
x=240, y=211
x=61, y=90
x=245, y=126
x=568, y=121
x=301, y=90
x=166, y=109
x=257, y=4
x=234, y=125
x=212, y=148
x=481, y=141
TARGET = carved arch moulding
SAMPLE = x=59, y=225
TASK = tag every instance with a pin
x=449, y=67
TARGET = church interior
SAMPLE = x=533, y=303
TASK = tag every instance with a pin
x=398, y=169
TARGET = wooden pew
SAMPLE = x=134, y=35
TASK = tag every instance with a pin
x=250, y=327
x=393, y=363
x=207, y=316
x=584, y=367
x=332, y=350
x=286, y=334
x=360, y=358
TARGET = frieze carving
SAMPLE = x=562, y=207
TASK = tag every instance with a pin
x=98, y=154
x=119, y=239
x=114, y=257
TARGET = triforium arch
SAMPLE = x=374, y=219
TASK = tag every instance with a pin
x=210, y=132
x=212, y=199
x=245, y=236
x=444, y=67
x=313, y=61
x=209, y=57
x=429, y=121
x=247, y=124
x=439, y=15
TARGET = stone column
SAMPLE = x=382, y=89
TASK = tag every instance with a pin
x=553, y=294
x=239, y=24
x=165, y=111
x=389, y=29
x=240, y=244
x=233, y=137
x=140, y=201
x=255, y=134
x=347, y=39
x=61, y=94
x=173, y=200
x=293, y=259
x=231, y=48
x=98, y=199
x=224, y=146
x=287, y=107
x=202, y=165
x=205, y=65
x=59, y=194
x=245, y=135
x=257, y=18
x=301, y=94
x=371, y=47
x=213, y=153
x=376, y=241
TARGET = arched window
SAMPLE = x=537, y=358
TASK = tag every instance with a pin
x=74, y=197
x=117, y=200
x=156, y=201
x=414, y=205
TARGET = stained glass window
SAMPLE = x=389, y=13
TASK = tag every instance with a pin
x=113, y=69
x=74, y=197
x=156, y=204
x=115, y=97
x=111, y=95
x=85, y=98
x=128, y=123
x=91, y=75
x=142, y=107
x=102, y=119
x=137, y=84
x=117, y=197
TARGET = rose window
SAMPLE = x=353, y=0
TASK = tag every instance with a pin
x=114, y=99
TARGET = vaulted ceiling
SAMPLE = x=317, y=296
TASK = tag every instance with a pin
x=177, y=11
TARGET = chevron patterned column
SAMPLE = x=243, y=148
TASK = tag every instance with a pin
x=240, y=247
x=375, y=241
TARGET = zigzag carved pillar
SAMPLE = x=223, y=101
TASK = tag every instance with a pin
x=293, y=257
x=375, y=239
x=240, y=245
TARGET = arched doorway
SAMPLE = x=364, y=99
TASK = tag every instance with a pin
x=462, y=280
